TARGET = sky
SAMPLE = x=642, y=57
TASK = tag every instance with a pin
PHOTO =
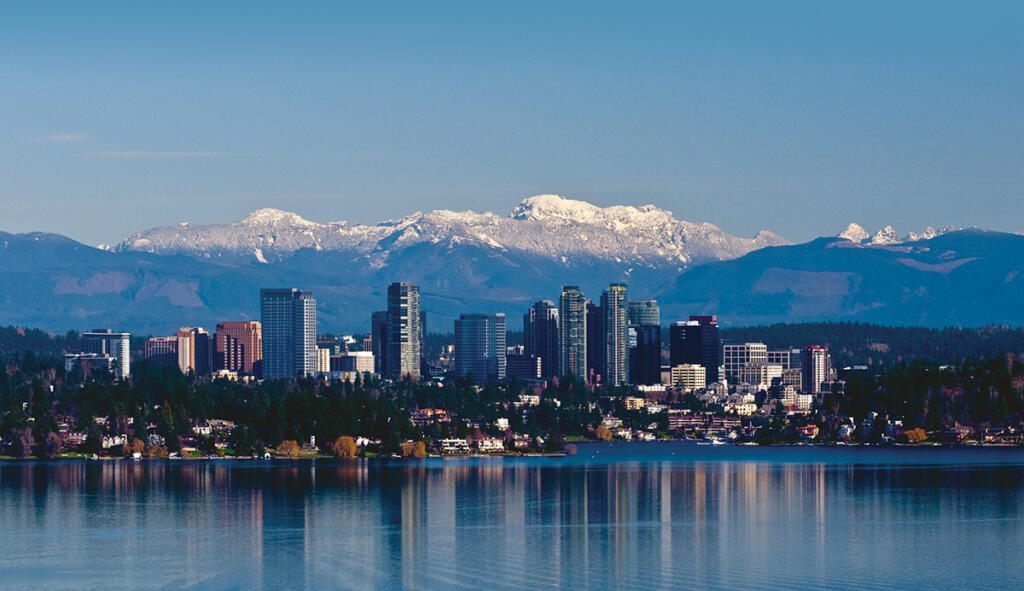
x=797, y=117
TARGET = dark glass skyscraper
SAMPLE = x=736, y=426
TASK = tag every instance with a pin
x=480, y=347
x=595, y=343
x=379, y=341
x=697, y=342
x=572, y=332
x=288, y=319
x=644, y=312
x=540, y=336
x=645, y=354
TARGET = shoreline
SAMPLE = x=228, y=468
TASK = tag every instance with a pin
x=561, y=454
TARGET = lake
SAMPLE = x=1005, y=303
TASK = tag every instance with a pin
x=614, y=516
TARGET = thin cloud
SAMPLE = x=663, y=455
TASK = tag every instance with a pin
x=60, y=138
x=127, y=154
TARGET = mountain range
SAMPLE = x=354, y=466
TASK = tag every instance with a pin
x=157, y=280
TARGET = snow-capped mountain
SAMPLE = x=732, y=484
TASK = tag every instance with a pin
x=545, y=225
x=887, y=235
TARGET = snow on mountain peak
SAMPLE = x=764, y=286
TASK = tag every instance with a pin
x=269, y=216
x=541, y=207
x=888, y=236
x=855, y=233
x=542, y=225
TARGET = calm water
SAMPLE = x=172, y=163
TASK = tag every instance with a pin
x=616, y=516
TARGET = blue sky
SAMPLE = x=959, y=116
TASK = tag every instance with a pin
x=797, y=117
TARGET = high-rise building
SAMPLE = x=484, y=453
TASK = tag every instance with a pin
x=378, y=340
x=288, y=320
x=815, y=368
x=644, y=313
x=614, y=304
x=104, y=341
x=161, y=351
x=238, y=347
x=783, y=358
x=404, y=337
x=645, y=354
x=202, y=355
x=736, y=357
x=186, y=350
x=696, y=341
x=480, y=347
x=540, y=336
x=522, y=365
x=595, y=343
x=572, y=332
x=323, y=360
x=423, y=343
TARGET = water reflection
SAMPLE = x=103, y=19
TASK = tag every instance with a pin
x=500, y=524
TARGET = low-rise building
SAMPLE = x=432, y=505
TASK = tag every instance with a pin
x=110, y=441
x=689, y=377
x=808, y=432
x=453, y=446
x=425, y=416
x=490, y=445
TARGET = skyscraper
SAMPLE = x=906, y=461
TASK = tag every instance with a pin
x=595, y=343
x=403, y=330
x=161, y=351
x=572, y=332
x=644, y=313
x=104, y=341
x=480, y=347
x=203, y=351
x=378, y=341
x=616, y=337
x=815, y=368
x=288, y=319
x=186, y=350
x=238, y=346
x=645, y=354
x=696, y=342
x=540, y=336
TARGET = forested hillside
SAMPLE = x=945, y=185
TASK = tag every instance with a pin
x=872, y=344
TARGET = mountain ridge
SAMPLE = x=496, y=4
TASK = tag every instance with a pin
x=475, y=262
x=543, y=224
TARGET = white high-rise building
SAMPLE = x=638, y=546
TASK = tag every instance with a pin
x=113, y=344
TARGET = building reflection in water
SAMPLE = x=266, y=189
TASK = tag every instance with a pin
x=492, y=523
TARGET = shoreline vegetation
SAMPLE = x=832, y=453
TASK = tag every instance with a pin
x=159, y=412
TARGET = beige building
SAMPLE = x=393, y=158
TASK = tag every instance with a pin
x=323, y=360
x=689, y=376
x=760, y=376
